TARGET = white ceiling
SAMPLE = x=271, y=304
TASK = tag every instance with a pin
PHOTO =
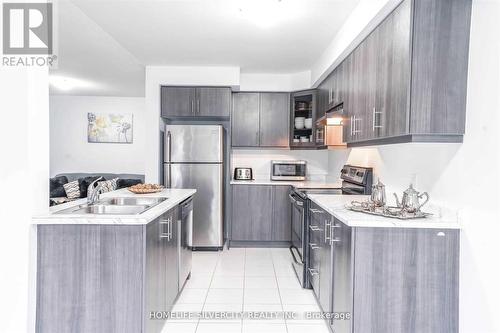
x=110, y=41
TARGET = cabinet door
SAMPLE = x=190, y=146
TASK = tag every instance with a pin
x=177, y=101
x=172, y=257
x=245, y=120
x=282, y=219
x=406, y=280
x=390, y=116
x=316, y=236
x=274, y=115
x=213, y=102
x=325, y=270
x=342, y=290
x=156, y=272
x=252, y=213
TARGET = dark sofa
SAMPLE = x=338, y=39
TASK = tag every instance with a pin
x=84, y=180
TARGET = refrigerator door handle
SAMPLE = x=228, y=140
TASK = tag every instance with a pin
x=168, y=155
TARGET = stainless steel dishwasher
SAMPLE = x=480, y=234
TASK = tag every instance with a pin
x=185, y=241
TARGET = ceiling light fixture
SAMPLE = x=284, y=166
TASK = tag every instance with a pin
x=269, y=13
x=67, y=83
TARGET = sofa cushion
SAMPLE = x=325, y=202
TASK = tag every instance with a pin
x=72, y=189
x=56, y=186
x=109, y=185
x=85, y=182
x=122, y=183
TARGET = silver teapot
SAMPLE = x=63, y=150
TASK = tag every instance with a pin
x=378, y=194
x=410, y=201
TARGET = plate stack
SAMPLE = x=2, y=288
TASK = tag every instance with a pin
x=300, y=122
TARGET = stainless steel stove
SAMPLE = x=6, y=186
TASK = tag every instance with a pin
x=355, y=180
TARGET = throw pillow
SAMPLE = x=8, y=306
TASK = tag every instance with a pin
x=122, y=183
x=56, y=186
x=72, y=189
x=84, y=184
x=109, y=185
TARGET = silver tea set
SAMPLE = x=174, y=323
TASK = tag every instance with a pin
x=408, y=207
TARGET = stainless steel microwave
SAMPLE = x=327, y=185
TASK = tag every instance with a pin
x=288, y=170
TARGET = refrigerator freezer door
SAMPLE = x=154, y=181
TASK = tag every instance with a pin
x=194, y=144
x=207, y=205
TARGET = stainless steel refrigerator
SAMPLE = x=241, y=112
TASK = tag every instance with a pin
x=194, y=158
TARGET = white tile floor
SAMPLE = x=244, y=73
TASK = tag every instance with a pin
x=249, y=280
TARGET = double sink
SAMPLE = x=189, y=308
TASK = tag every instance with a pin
x=114, y=206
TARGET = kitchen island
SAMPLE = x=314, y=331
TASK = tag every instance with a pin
x=109, y=272
x=386, y=274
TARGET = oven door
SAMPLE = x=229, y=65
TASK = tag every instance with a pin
x=297, y=247
x=350, y=188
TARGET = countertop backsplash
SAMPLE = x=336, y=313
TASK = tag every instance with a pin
x=260, y=161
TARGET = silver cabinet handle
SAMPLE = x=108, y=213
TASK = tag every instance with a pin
x=314, y=228
x=313, y=271
x=198, y=106
x=334, y=241
x=316, y=211
x=163, y=234
x=192, y=106
x=328, y=228
x=314, y=246
x=375, y=124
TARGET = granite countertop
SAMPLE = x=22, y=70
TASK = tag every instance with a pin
x=335, y=205
x=306, y=184
x=174, y=197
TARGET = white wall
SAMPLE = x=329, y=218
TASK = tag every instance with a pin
x=459, y=175
x=260, y=161
x=69, y=149
x=275, y=82
x=24, y=172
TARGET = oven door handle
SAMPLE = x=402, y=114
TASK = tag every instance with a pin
x=295, y=201
x=345, y=190
x=293, y=255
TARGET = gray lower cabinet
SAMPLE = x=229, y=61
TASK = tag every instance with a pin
x=260, y=213
x=282, y=210
x=178, y=102
x=385, y=279
x=106, y=278
x=260, y=119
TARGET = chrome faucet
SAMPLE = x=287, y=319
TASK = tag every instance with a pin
x=94, y=191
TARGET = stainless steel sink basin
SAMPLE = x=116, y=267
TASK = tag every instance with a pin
x=105, y=209
x=115, y=206
x=131, y=201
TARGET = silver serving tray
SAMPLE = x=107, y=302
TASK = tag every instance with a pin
x=388, y=211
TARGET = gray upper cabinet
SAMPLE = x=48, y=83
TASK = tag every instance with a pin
x=260, y=119
x=245, y=120
x=439, y=65
x=391, y=110
x=178, y=101
x=195, y=102
x=213, y=101
x=274, y=114
x=407, y=81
